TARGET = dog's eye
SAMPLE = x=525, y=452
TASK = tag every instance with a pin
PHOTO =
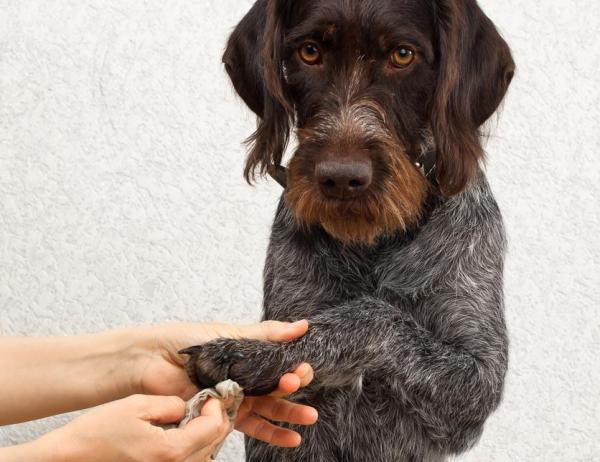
x=402, y=56
x=309, y=53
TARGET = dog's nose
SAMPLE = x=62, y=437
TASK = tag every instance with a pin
x=344, y=179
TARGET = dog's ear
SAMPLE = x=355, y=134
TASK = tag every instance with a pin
x=476, y=68
x=253, y=59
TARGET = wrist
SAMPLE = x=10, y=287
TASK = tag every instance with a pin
x=122, y=354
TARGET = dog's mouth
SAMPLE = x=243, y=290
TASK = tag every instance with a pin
x=345, y=207
x=352, y=220
x=390, y=204
x=357, y=191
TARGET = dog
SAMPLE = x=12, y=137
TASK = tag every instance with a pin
x=387, y=237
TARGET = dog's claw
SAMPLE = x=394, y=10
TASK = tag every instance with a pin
x=190, y=350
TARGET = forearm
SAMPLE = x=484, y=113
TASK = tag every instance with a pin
x=49, y=376
x=41, y=450
x=450, y=387
x=345, y=341
x=17, y=453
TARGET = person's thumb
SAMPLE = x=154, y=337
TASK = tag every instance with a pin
x=204, y=431
x=160, y=409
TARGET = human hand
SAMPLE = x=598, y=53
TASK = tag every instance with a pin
x=254, y=412
x=89, y=370
x=157, y=368
x=127, y=431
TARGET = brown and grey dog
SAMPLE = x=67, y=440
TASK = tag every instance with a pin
x=387, y=237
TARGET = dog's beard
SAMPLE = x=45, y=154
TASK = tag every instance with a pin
x=392, y=205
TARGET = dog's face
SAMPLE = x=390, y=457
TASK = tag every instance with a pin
x=371, y=86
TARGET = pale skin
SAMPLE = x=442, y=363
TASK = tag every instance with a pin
x=139, y=373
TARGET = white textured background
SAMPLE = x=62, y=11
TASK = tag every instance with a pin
x=122, y=202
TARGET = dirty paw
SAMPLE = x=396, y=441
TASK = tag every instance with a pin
x=256, y=366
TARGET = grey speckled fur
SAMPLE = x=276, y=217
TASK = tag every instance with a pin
x=407, y=338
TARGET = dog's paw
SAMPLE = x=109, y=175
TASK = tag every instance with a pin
x=256, y=366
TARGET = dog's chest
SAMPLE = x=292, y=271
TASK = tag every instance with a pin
x=305, y=277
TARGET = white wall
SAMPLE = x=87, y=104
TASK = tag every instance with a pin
x=122, y=202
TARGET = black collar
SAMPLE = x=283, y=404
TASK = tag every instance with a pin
x=426, y=164
x=279, y=174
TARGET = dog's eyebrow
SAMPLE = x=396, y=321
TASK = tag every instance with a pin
x=322, y=21
x=316, y=28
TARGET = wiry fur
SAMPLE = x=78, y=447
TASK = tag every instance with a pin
x=394, y=202
x=402, y=286
x=407, y=338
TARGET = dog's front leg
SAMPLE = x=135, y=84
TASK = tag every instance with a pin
x=449, y=375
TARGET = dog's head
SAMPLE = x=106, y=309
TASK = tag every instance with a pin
x=371, y=87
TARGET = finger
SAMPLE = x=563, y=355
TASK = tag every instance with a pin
x=280, y=410
x=212, y=408
x=288, y=384
x=293, y=381
x=211, y=427
x=275, y=331
x=159, y=409
x=258, y=428
x=306, y=374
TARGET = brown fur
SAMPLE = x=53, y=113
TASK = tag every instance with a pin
x=461, y=73
x=393, y=204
